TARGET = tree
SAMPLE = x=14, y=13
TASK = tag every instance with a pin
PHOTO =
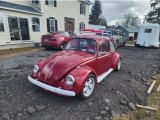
x=131, y=19
x=96, y=16
x=154, y=15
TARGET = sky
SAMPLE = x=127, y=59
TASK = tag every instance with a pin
x=115, y=10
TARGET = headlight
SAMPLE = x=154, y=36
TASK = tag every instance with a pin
x=35, y=69
x=70, y=80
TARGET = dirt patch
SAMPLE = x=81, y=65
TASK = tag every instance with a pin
x=18, y=97
x=17, y=51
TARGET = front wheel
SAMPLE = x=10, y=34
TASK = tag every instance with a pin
x=88, y=87
x=63, y=44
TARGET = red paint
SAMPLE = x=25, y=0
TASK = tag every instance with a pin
x=54, y=40
x=80, y=64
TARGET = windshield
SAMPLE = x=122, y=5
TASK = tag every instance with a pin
x=85, y=45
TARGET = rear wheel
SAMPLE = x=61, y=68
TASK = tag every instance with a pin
x=124, y=44
x=118, y=65
x=88, y=87
x=63, y=44
x=116, y=44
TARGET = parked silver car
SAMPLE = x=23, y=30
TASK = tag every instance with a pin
x=118, y=36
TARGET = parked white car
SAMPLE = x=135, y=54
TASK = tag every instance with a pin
x=118, y=36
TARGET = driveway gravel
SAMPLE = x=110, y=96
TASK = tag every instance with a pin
x=21, y=100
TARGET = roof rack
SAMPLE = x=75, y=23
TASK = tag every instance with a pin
x=92, y=32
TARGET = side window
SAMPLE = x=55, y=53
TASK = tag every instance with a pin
x=52, y=25
x=82, y=26
x=51, y=2
x=35, y=24
x=112, y=48
x=120, y=33
x=82, y=8
x=103, y=48
x=147, y=30
x=35, y=2
x=1, y=22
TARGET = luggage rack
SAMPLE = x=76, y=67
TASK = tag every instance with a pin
x=103, y=33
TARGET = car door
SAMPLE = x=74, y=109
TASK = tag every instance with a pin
x=104, y=58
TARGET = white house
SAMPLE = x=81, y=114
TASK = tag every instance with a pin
x=22, y=22
x=149, y=35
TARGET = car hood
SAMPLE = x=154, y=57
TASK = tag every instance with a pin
x=58, y=66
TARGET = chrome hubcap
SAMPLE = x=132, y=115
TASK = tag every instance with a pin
x=89, y=87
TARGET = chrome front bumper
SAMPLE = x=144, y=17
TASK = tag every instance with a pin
x=50, y=88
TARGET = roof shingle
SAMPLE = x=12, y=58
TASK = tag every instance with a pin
x=17, y=7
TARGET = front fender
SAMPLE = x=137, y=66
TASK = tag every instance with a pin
x=115, y=60
x=80, y=74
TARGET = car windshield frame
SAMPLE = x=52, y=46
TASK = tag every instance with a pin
x=82, y=44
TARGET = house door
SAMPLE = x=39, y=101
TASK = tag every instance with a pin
x=18, y=28
x=69, y=25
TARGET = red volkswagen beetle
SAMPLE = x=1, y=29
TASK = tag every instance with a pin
x=85, y=61
x=55, y=40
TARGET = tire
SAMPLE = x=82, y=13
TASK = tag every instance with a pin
x=62, y=45
x=118, y=67
x=116, y=44
x=124, y=44
x=88, y=87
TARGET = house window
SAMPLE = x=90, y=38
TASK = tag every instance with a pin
x=35, y=2
x=35, y=24
x=82, y=8
x=52, y=25
x=51, y=2
x=82, y=26
x=1, y=22
x=148, y=30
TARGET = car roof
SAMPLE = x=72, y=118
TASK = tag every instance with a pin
x=97, y=38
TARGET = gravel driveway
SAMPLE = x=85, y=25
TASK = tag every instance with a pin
x=20, y=100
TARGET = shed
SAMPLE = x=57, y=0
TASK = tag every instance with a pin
x=149, y=35
x=130, y=31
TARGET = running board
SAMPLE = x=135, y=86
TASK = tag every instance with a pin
x=101, y=77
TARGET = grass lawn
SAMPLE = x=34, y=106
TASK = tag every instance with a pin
x=16, y=50
x=153, y=100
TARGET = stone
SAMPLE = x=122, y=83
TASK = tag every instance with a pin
x=114, y=114
x=154, y=72
x=98, y=118
x=31, y=109
x=148, y=113
x=87, y=118
x=105, y=118
x=103, y=112
x=123, y=102
x=153, y=77
x=143, y=79
x=6, y=116
x=118, y=92
x=40, y=107
x=106, y=100
x=90, y=103
x=132, y=106
x=107, y=108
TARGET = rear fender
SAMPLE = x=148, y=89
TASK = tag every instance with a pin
x=115, y=60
